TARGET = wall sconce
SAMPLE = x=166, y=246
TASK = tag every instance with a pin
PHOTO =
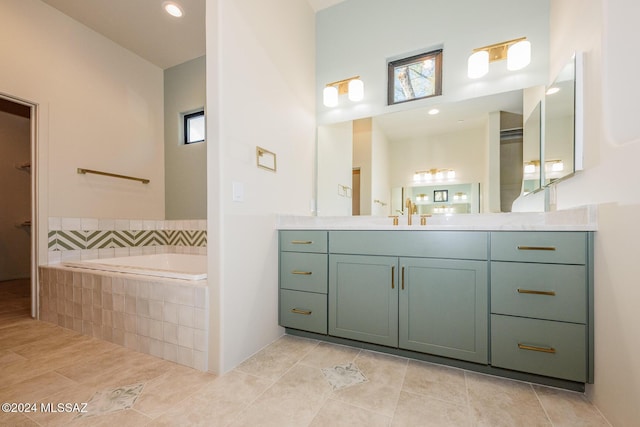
x=517, y=52
x=352, y=86
x=554, y=166
x=434, y=175
x=532, y=167
x=460, y=197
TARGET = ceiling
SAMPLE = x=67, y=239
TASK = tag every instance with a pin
x=143, y=27
x=467, y=114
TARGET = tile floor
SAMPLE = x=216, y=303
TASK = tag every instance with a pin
x=292, y=382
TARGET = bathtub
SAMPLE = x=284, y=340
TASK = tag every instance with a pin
x=175, y=266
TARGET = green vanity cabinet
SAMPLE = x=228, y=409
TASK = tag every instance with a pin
x=444, y=308
x=303, y=280
x=542, y=303
x=413, y=298
x=363, y=298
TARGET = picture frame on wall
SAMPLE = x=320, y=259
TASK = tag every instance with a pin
x=415, y=77
x=441, y=195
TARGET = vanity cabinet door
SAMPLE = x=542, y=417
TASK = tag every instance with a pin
x=444, y=308
x=363, y=298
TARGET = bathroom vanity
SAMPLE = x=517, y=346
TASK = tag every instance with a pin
x=479, y=292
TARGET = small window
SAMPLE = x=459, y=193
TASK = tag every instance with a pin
x=194, y=127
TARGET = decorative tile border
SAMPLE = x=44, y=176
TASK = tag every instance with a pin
x=87, y=238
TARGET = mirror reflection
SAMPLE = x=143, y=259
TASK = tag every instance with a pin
x=370, y=166
x=531, y=151
x=559, y=120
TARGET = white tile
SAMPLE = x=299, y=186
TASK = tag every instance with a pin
x=170, y=313
x=71, y=224
x=106, y=253
x=156, y=348
x=71, y=255
x=200, y=319
x=121, y=252
x=160, y=225
x=131, y=341
x=155, y=309
x=156, y=330
x=193, y=224
x=185, y=356
x=135, y=224
x=135, y=251
x=89, y=224
x=148, y=224
x=185, y=336
x=199, y=340
x=55, y=223
x=106, y=224
x=170, y=332
x=186, y=316
x=156, y=291
x=202, y=224
x=143, y=326
x=185, y=295
x=89, y=254
x=170, y=352
x=148, y=250
x=54, y=257
x=200, y=297
x=121, y=224
x=144, y=290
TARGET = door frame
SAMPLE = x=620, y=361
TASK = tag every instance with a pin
x=35, y=218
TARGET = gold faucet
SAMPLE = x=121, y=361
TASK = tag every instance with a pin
x=410, y=208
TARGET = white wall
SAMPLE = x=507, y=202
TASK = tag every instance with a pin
x=334, y=165
x=380, y=187
x=260, y=80
x=362, y=159
x=15, y=193
x=100, y=107
x=185, y=164
x=358, y=37
x=610, y=180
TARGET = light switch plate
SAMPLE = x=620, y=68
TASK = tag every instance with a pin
x=237, y=192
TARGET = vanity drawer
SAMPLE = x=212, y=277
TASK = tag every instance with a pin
x=539, y=246
x=427, y=244
x=554, y=349
x=303, y=310
x=303, y=241
x=301, y=271
x=543, y=291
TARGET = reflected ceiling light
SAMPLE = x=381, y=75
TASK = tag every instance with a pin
x=352, y=86
x=517, y=52
x=552, y=90
x=433, y=111
x=173, y=9
x=431, y=174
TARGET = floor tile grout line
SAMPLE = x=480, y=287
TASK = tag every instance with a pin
x=404, y=379
x=544, y=409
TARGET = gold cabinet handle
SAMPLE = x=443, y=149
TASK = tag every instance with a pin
x=393, y=277
x=530, y=291
x=299, y=311
x=302, y=273
x=534, y=348
x=403, y=277
x=301, y=242
x=536, y=248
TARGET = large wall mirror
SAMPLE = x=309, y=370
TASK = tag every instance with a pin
x=563, y=123
x=442, y=161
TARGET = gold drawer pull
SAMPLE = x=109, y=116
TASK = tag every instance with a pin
x=393, y=277
x=536, y=248
x=298, y=311
x=529, y=291
x=534, y=348
x=301, y=242
x=303, y=273
x=403, y=277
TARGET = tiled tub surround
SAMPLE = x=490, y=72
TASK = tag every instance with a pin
x=72, y=239
x=166, y=318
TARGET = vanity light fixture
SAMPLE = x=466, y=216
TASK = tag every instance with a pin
x=531, y=167
x=460, y=197
x=517, y=52
x=554, y=166
x=352, y=86
x=434, y=175
x=173, y=9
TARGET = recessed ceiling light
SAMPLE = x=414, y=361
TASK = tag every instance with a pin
x=173, y=9
x=433, y=111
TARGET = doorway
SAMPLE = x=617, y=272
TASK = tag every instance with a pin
x=17, y=252
x=355, y=192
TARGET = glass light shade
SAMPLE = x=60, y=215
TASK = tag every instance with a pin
x=451, y=174
x=530, y=168
x=518, y=55
x=557, y=167
x=356, y=90
x=439, y=175
x=478, y=64
x=330, y=96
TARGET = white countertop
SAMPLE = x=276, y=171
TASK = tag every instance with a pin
x=577, y=219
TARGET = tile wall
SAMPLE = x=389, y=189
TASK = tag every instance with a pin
x=166, y=318
x=72, y=239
